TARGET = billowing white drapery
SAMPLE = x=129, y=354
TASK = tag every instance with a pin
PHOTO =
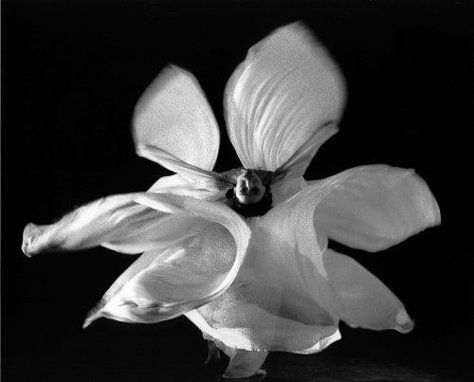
x=284, y=101
x=267, y=283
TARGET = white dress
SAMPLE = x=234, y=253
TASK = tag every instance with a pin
x=266, y=283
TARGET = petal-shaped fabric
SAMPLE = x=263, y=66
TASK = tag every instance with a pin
x=174, y=126
x=194, y=266
x=375, y=207
x=284, y=101
x=282, y=299
x=365, y=301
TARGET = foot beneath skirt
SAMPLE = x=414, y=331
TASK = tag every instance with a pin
x=258, y=376
x=213, y=355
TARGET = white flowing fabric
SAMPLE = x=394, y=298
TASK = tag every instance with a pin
x=194, y=250
x=173, y=125
x=364, y=301
x=284, y=101
x=291, y=290
x=182, y=272
x=174, y=116
x=281, y=299
x=116, y=222
x=375, y=207
x=178, y=185
x=266, y=283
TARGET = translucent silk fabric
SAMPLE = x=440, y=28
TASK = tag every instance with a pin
x=195, y=251
x=270, y=282
x=283, y=102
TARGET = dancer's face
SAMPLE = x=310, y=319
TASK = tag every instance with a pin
x=249, y=187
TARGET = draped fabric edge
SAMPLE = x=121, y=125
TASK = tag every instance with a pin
x=424, y=214
x=297, y=164
x=220, y=338
x=191, y=173
x=302, y=157
x=176, y=184
x=179, y=79
x=214, y=212
x=374, y=305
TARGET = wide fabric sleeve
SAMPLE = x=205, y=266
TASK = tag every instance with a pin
x=193, y=251
x=112, y=219
x=375, y=207
x=174, y=125
x=284, y=101
x=194, y=264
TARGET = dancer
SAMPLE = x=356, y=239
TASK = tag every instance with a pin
x=243, y=254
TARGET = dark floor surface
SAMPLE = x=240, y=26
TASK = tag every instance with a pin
x=279, y=367
x=174, y=351
x=288, y=368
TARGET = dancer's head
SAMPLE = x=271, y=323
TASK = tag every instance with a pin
x=250, y=197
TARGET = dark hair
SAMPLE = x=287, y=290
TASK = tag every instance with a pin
x=251, y=209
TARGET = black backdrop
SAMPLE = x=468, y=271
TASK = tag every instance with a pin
x=71, y=74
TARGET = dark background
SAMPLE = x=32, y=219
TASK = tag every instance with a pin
x=71, y=74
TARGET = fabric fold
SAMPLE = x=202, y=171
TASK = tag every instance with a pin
x=375, y=207
x=267, y=283
x=364, y=300
x=174, y=125
x=281, y=299
x=115, y=221
x=211, y=189
x=184, y=271
x=284, y=101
